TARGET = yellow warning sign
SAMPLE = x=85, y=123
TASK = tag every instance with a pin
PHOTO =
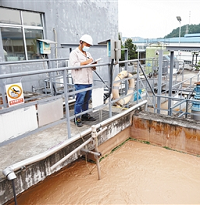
x=14, y=94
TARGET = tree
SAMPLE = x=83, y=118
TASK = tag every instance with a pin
x=131, y=50
x=192, y=28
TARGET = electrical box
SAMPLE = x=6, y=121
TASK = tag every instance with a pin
x=110, y=48
x=113, y=48
x=44, y=46
x=117, y=50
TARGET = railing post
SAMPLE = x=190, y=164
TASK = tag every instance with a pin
x=66, y=103
x=111, y=84
x=137, y=85
x=94, y=136
x=126, y=68
x=170, y=82
x=186, y=108
x=159, y=80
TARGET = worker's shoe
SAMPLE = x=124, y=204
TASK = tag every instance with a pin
x=87, y=117
x=78, y=122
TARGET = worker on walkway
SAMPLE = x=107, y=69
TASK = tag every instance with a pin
x=83, y=78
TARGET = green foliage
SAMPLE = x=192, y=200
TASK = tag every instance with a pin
x=193, y=28
x=132, y=54
x=197, y=66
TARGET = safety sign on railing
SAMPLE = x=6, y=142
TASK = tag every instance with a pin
x=14, y=94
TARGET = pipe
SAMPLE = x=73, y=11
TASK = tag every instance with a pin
x=106, y=96
x=96, y=154
x=9, y=171
x=71, y=153
x=94, y=136
x=105, y=122
x=14, y=192
x=56, y=48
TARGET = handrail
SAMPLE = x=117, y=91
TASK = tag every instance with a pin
x=32, y=61
x=9, y=171
x=12, y=75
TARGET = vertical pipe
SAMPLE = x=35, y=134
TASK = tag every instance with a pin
x=137, y=85
x=159, y=80
x=24, y=38
x=14, y=193
x=97, y=159
x=126, y=68
x=111, y=84
x=192, y=58
x=94, y=136
x=66, y=103
x=56, y=45
x=170, y=82
x=183, y=72
x=186, y=114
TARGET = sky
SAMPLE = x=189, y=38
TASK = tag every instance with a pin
x=155, y=18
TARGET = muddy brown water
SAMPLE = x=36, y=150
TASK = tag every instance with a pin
x=136, y=173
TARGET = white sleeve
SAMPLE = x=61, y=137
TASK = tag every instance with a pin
x=73, y=59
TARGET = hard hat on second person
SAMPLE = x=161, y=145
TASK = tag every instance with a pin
x=87, y=38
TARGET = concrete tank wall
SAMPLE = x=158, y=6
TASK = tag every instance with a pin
x=174, y=133
x=34, y=173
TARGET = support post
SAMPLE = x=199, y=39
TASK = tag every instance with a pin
x=138, y=77
x=159, y=80
x=66, y=103
x=186, y=114
x=170, y=82
x=111, y=84
x=126, y=68
x=94, y=136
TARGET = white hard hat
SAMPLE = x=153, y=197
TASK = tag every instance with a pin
x=87, y=38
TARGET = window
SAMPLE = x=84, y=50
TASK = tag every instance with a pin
x=20, y=31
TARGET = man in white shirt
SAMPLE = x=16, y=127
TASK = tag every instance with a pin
x=83, y=78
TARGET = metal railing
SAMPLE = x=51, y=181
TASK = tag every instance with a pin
x=68, y=92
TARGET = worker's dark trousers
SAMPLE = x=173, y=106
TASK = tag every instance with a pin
x=82, y=98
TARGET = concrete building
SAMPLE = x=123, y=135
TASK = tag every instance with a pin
x=187, y=41
x=56, y=22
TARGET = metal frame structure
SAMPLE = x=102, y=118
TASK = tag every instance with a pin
x=154, y=99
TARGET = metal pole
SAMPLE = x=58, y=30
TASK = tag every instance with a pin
x=94, y=136
x=170, y=82
x=126, y=68
x=66, y=103
x=186, y=114
x=97, y=159
x=159, y=80
x=14, y=192
x=71, y=153
x=137, y=85
x=111, y=84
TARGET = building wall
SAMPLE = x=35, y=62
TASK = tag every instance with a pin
x=70, y=20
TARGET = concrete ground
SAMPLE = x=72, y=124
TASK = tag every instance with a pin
x=40, y=141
